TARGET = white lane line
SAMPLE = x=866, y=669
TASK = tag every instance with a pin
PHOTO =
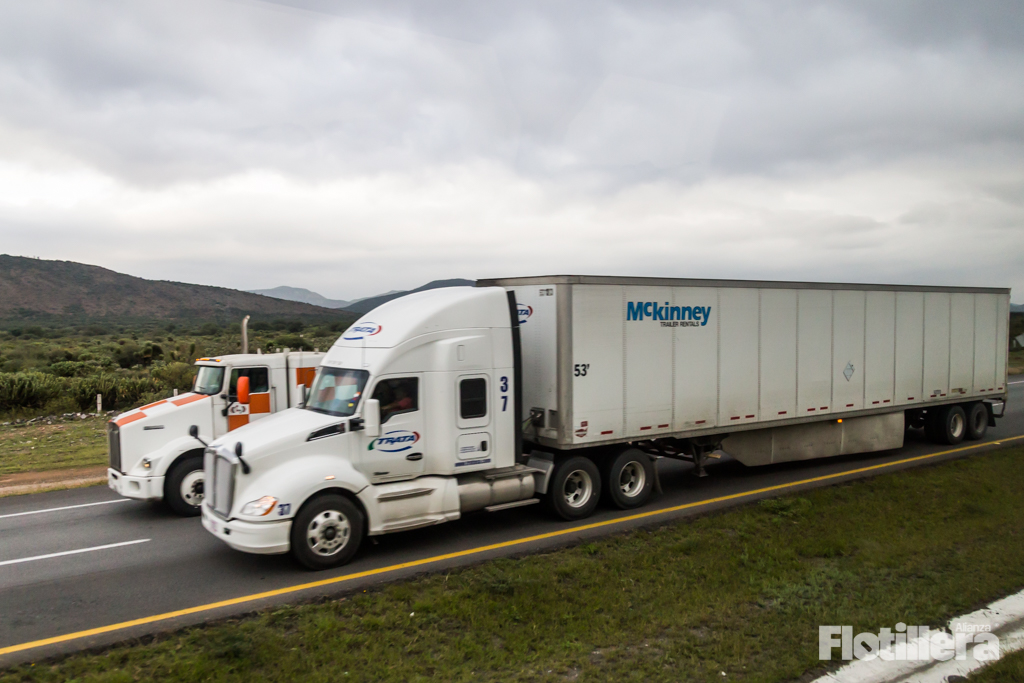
x=74, y=552
x=66, y=507
x=1020, y=382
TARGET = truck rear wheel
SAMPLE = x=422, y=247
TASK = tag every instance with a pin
x=183, y=487
x=950, y=425
x=629, y=479
x=977, y=421
x=327, y=532
x=575, y=488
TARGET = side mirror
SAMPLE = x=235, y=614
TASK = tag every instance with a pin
x=243, y=390
x=371, y=417
x=193, y=431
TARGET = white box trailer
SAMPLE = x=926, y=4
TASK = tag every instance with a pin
x=616, y=359
x=567, y=389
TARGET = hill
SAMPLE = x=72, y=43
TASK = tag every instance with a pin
x=35, y=291
x=305, y=296
x=367, y=305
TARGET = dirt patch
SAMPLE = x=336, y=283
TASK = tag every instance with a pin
x=34, y=482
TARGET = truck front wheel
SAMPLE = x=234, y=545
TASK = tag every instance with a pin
x=629, y=479
x=327, y=532
x=575, y=488
x=183, y=487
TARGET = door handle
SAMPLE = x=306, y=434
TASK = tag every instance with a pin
x=414, y=456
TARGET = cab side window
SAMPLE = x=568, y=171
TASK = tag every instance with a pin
x=473, y=398
x=259, y=381
x=399, y=395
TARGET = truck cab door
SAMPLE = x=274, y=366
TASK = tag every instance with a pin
x=398, y=452
x=259, y=405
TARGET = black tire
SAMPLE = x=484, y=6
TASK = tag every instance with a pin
x=629, y=479
x=316, y=530
x=575, y=488
x=950, y=425
x=183, y=489
x=977, y=421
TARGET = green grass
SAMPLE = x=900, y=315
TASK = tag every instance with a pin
x=1008, y=669
x=1016, y=366
x=743, y=592
x=41, y=446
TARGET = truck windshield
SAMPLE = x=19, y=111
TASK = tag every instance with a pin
x=208, y=380
x=336, y=391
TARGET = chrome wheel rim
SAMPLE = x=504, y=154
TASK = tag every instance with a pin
x=632, y=479
x=956, y=425
x=191, y=490
x=328, y=533
x=578, y=488
x=980, y=421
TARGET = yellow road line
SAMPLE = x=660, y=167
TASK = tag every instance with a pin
x=463, y=553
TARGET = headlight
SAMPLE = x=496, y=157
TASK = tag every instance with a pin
x=261, y=507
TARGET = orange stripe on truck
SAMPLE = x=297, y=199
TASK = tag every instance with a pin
x=259, y=403
x=128, y=419
x=305, y=376
x=189, y=399
x=236, y=421
x=153, y=405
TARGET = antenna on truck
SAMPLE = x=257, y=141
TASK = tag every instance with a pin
x=245, y=334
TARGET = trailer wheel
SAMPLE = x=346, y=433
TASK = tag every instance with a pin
x=977, y=421
x=629, y=479
x=575, y=488
x=950, y=425
x=327, y=532
x=183, y=487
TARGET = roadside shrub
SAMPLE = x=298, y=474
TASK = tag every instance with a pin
x=118, y=392
x=28, y=390
x=292, y=341
x=69, y=368
x=59, y=354
x=174, y=375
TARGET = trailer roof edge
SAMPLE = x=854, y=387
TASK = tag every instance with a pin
x=696, y=282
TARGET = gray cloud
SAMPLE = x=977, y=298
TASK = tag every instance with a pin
x=410, y=140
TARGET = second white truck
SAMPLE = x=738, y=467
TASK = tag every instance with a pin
x=566, y=389
x=153, y=457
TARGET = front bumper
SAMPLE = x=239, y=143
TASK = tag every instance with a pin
x=263, y=538
x=140, y=488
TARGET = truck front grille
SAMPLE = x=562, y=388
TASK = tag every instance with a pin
x=114, y=445
x=220, y=482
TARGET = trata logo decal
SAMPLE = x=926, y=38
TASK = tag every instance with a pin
x=524, y=313
x=670, y=316
x=362, y=331
x=394, y=442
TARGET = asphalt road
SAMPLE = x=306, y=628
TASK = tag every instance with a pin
x=86, y=560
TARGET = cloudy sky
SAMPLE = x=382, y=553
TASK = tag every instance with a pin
x=358, y=147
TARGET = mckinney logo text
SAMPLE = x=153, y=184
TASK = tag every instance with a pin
x=640, y=310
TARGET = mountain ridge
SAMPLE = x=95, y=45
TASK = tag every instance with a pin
x=39, y=291
x=356, y=306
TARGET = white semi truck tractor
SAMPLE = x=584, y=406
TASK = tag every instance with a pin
x=152, y=455
x=567, y=389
